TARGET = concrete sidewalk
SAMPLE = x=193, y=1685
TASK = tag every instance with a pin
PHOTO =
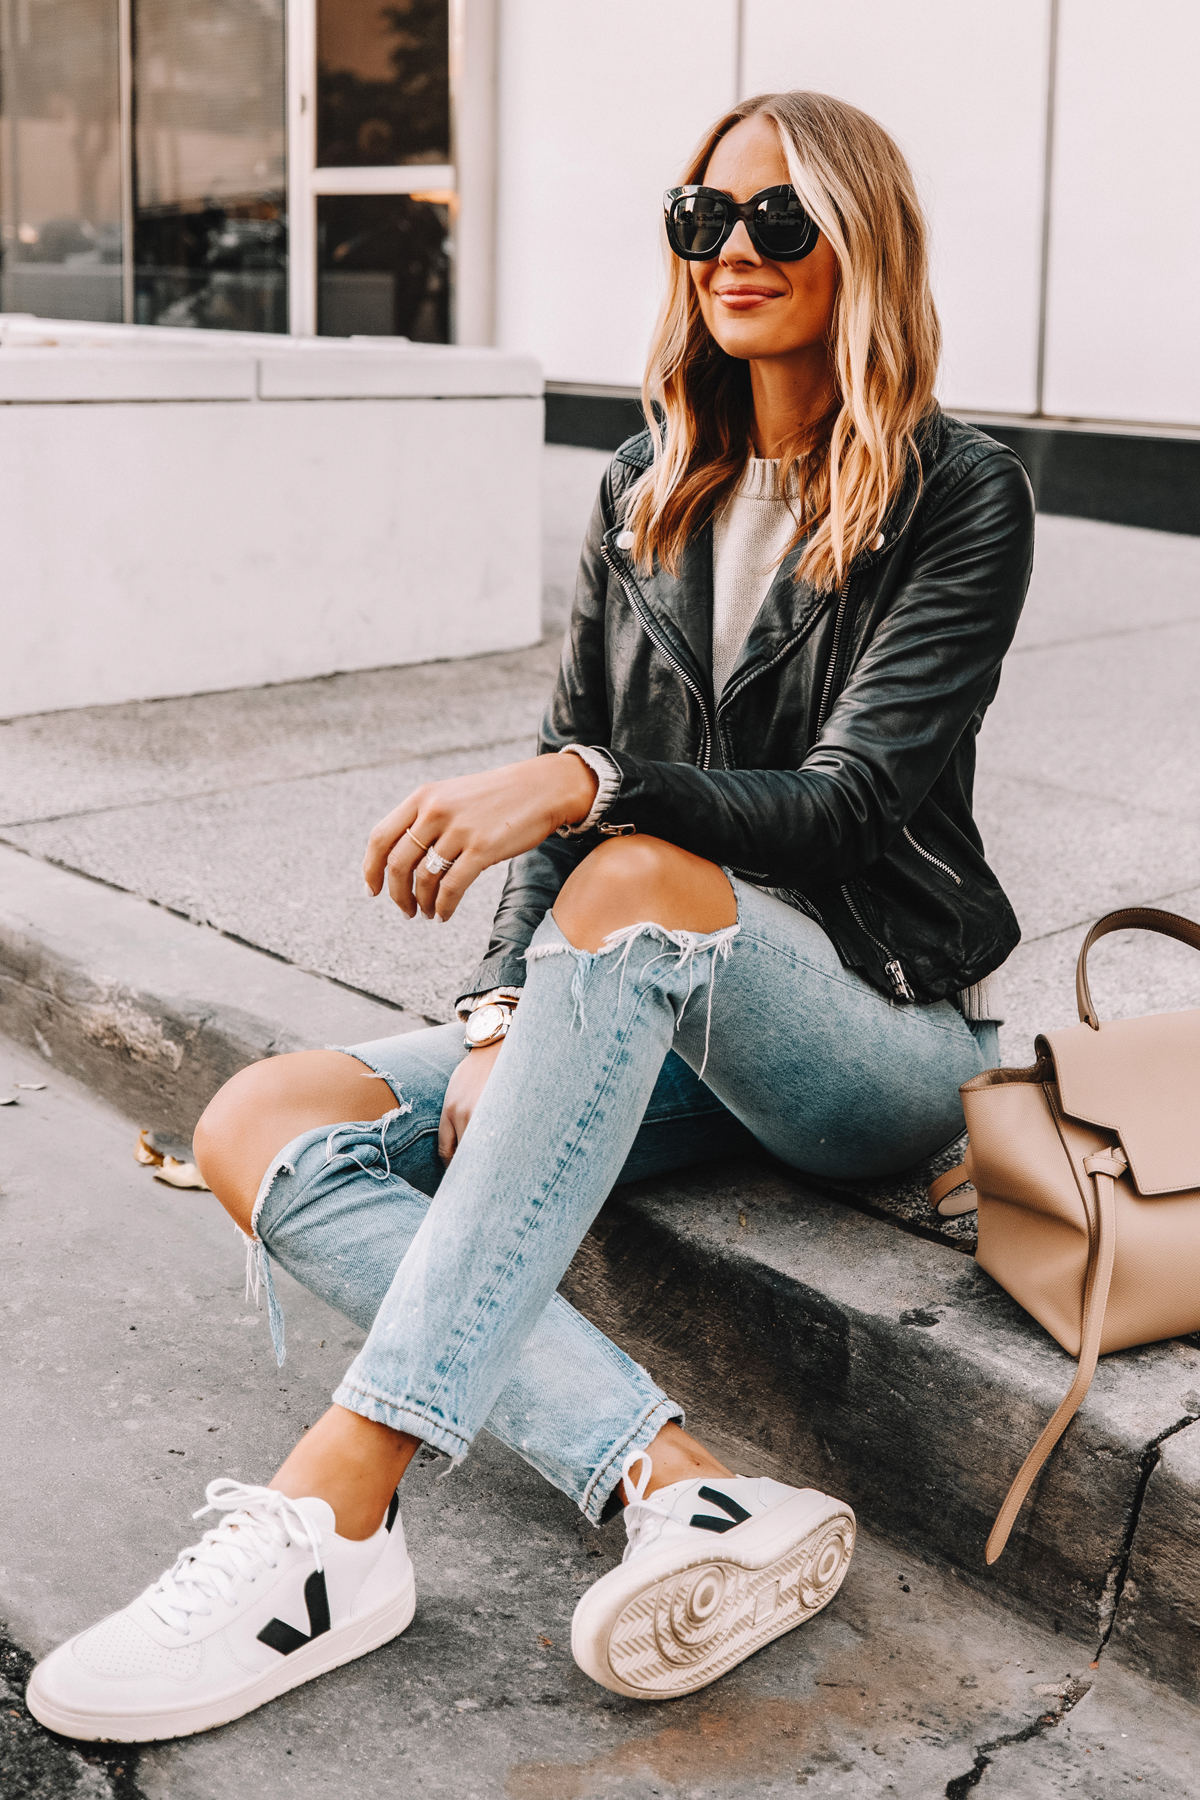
x=136, y=1372
x=805, y=1332
x=249, y=810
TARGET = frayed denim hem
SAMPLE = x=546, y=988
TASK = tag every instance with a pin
x=404, y=1417
x=603, y=1485
x=689, y=945
x=258, y=1261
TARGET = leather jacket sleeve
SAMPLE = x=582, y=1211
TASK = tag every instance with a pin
x=931, y=664
x=578, y=714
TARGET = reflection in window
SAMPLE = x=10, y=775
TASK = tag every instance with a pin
x=383, y=82
x=60, y=145
x=210, y=235
x=384, y=267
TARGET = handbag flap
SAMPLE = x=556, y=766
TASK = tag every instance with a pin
x=1141, y=1079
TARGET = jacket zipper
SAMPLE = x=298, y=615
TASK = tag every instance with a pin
x=843, y=593
x=931, y=858
x=891, y=967
x=633, y=597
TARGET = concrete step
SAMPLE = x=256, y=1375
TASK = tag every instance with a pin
x=804, y=1332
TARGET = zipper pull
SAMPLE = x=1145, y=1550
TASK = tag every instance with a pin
x=896, y=976
x=616, y=830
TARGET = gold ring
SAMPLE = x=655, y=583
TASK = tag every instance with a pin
x=416, y=840
x=437, y=865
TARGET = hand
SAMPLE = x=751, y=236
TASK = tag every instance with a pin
x=462, y=1093
x=475, y=820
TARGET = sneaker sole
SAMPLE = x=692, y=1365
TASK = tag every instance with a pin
x=329, y=1651
x=673, y=1621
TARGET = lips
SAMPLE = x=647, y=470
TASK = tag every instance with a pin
x=745, y=297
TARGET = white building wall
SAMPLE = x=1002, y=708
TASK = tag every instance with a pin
x=599, y=106
x=962, y=89
x=1123, y=320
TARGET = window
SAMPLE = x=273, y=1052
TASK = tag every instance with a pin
x=210, y=225
x=60, y=150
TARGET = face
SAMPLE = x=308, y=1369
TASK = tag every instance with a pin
x=756, y=309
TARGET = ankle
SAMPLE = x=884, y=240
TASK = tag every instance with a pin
x=676, y=1456
x=352, y=1463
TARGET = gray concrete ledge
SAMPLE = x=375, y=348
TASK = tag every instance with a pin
x=152, y=1012
x=1158, y=1624
x=896, y=1373
x=805, y=1335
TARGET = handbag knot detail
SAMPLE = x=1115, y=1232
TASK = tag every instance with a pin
x=1098, y=1240
x=1106, y=1162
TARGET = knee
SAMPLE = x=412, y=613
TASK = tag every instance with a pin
x=226, y=1137
x=230, y=1111
x=627, y=880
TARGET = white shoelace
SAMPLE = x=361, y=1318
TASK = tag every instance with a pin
x=260, y=1522
x=644, y=1518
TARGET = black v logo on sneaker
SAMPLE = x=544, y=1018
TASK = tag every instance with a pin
x=705, y=1521
x=285, y=1638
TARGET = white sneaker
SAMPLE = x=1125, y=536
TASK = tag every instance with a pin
x=713, y=1570
x=268, y=1599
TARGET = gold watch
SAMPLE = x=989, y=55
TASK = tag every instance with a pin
x=488, y=1024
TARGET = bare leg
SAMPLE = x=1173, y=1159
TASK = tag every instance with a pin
x=352, y=1462
x=247, y=1123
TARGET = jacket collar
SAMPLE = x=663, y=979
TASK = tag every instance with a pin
x=681, y=606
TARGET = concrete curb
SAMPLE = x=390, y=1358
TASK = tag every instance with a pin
x=895, y=1372
x=152, y=1012
x=807, y=1336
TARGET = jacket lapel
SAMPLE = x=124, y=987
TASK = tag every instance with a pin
x=787, y=613
x=680, y=606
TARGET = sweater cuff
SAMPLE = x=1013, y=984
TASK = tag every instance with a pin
x=608, y=778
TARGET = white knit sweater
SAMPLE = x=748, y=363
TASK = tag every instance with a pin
x=751, y=533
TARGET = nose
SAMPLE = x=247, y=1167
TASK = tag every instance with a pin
x=738, y=247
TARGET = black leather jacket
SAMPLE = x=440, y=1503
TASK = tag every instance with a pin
x=838, y=763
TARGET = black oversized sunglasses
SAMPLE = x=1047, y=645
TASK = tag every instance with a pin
x=701, y=219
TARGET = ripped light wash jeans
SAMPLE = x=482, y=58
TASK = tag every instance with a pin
x=662, y=1049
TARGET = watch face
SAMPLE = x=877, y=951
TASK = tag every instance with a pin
x=484, y=1023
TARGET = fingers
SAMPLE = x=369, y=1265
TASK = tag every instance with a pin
x=402, y=863
x=454, y=883
x=426, y=886
x=447, y=1135
x=384, y=838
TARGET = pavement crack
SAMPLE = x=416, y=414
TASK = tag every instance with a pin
x=1114, y=1586
x=413, y=757
x=1073, y=1691
x=36, y=1761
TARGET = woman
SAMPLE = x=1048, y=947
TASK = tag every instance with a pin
x=747, y=902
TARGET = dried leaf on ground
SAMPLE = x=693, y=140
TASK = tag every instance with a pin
x=144, y=1152
x=181, y=1175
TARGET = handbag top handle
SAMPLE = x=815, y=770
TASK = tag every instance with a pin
x=1128, y=918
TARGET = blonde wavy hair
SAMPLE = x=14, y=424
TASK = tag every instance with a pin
x=884, y=341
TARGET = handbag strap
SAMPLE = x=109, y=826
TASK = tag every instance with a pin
x=1128, y=918
x=946, y=1184
x=1104, y=1169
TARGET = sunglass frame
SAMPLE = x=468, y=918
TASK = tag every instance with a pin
x=734, y=210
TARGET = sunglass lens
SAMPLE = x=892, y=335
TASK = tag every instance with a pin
x=698, y=224
x=781, y=225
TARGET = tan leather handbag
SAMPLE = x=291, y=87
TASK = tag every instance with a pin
x=1086, y=1169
